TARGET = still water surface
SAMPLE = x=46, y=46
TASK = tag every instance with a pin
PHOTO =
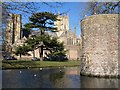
x=53, y=78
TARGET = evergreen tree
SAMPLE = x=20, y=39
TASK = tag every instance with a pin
x=51, y=44
x=26, y=31
x=22, y=50
x=44, y=21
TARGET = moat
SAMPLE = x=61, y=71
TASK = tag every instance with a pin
x=66, y=77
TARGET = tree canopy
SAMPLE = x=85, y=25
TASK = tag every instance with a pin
x=44, y=21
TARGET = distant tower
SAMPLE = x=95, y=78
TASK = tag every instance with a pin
x=75, y=31
x=13, y=31
x=62, y=24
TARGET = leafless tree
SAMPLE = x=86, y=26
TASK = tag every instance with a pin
x=102, y=8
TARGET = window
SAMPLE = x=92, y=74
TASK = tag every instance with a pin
x=69, y=41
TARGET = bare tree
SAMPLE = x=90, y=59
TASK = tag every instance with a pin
x=102, y=8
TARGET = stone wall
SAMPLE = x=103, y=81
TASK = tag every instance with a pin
x=100, y=45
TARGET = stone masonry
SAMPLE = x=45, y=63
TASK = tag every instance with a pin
x=13, y=31
x=100, y=45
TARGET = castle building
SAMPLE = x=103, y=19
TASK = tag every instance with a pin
x=71, y=41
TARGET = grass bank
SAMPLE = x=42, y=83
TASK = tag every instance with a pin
x=23, y=64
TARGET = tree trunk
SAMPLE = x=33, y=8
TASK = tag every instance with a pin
x=33, y=53
x=41, y=52
x=20, y=55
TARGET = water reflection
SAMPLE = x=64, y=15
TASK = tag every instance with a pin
x=0, y=79
x=90, y=82
x=53, y=78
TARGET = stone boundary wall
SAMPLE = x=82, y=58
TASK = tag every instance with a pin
x=100, y=45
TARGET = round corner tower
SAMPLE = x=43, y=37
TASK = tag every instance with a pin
x=100, y=45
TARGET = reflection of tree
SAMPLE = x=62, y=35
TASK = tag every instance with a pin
x=65, y=79
x=56, y=76
x=58, y=79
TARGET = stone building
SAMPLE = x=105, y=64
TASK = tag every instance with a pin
x=13, y=31
x=71, y=41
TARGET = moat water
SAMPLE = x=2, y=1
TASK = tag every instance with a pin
x=67, y=77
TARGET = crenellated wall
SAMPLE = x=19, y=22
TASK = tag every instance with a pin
x=100, y=45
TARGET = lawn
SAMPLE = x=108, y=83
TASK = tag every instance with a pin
x=20, y=64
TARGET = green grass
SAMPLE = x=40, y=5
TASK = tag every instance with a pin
x=19, y=64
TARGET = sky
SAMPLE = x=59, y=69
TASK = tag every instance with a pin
x=73, y=9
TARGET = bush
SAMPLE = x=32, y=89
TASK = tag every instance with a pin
x=56, y=56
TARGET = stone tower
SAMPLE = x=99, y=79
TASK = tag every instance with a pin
x=100, y=46
x=69, y=38
x=62, y=24
x=13, y=31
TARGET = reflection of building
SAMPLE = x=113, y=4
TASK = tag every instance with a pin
x=13, y=31
x=71, y=41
